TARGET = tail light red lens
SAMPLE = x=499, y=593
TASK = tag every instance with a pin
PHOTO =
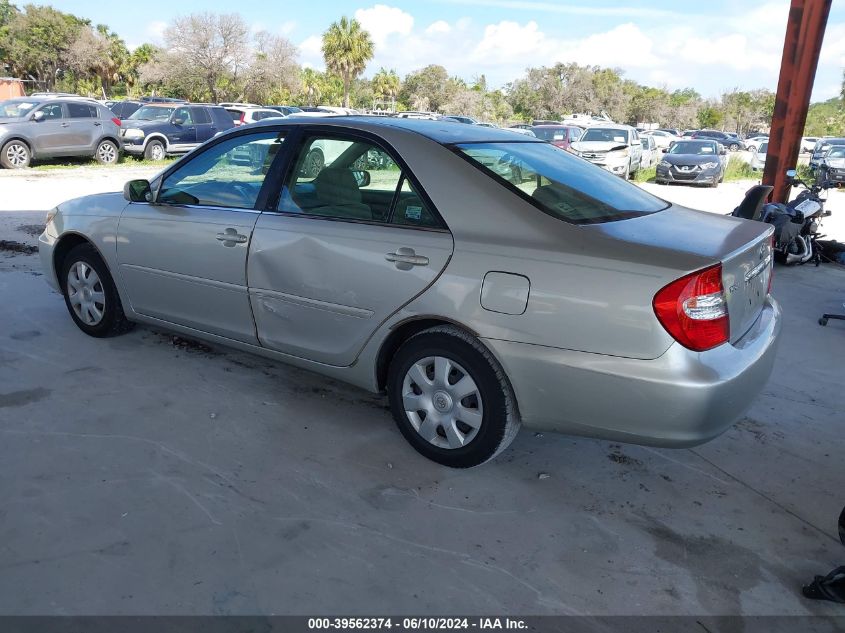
x=693, y=309
x=243, y=118
x=116, y=121
x=772, y=264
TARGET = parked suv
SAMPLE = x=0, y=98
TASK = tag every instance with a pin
x=52, y=127
x=158, y=129
x=616, y=148
x=124, y=109
x=558, y=135
x=245, y=115
x=731, y=142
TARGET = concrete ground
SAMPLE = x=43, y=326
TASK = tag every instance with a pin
x=146, y=477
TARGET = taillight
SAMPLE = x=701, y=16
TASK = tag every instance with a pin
x=243, y=118
x=116, y=121
x=771, y=264
x=693, y=309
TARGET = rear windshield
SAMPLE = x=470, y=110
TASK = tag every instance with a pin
x=550, y=133
x=152, y=113
x=560, y=184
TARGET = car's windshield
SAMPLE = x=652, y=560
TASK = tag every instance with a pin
x=836, y=152
x=688, y=147
x=152, y=113
x=16, y=108
x=550, y=133
x=604, y=134
x=560, y=184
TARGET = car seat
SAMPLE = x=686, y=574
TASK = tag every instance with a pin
x=337, y=195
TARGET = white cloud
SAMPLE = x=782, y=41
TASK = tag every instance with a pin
x=155, y=30
x=311, y=52
x=383, y=21
x=440, y=26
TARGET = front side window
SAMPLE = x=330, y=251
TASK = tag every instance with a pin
x=349, y=179
x=52, y=111
x=229, y=174
x=560, y=184
x=183, y=116
x=605, y=134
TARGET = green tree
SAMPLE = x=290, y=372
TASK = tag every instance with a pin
x=709, y=116
x=347, y=48
x=386, y=85
x=425, y=89
x=312, y=85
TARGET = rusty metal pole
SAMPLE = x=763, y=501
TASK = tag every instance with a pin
x=801, y=48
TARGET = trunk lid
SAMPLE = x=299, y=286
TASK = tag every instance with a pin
x=690, y=240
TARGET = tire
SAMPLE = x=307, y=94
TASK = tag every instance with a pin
x=107, y=153
x=15, y=155
x=627, y=174
x=105, y=317
x=314, y=163
x=438, y=349
x=734, y=147
x=155, y=151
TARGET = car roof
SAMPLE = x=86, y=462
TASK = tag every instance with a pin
x=443, y=132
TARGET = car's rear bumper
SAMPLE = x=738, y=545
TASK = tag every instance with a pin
x=682, y=398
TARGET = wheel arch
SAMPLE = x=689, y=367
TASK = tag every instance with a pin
x=23, y=140
x=156, y=136
x=67, y=242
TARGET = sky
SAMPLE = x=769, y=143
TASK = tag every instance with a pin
x=711, y=46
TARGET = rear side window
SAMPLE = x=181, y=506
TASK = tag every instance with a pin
x=201, y=116
x=565, y=187
x=81, y=111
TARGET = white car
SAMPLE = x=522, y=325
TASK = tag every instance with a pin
x=616, y=148
x=650, y=150
x=245, y=115
x=662, y=139
x=808, y=143
x=753, y=143
x=758, y=156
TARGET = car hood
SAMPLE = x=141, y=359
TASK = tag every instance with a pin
x=98, y=204
x=597, y=146
x=690, y=159
x=140, y=124
x=835, y=162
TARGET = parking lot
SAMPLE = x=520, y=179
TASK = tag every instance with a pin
x=147, y=474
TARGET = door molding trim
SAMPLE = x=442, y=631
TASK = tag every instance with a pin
x=349, y=311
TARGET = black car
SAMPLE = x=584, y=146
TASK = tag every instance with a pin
x=125, y=109
x=730, y=141
x=158, y=129
x=692, y=161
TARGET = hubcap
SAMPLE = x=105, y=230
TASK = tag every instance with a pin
x=158, y=152
x=85, y=293
x=16, y=154
x=107, y=153
x=442, y=402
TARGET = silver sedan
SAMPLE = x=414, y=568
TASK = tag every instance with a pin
x=485, y=281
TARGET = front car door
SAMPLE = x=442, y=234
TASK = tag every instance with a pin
x=51, y=135
x=183, y=133
x=183, y=258
x=345, y=249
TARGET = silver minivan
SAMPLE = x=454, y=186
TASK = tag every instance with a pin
x=50, y=127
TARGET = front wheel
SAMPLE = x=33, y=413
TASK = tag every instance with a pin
x=734, y=147
x=155, y=151
x=90, y=294
x=15, y=155
x=107, y=153
x=450, y=398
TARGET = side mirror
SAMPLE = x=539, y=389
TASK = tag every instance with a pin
x=665, y=150
x=723, y=151
x=178, y=121
x=791, y=173
x=138, y=191
x=362, y=178
x=38, y=116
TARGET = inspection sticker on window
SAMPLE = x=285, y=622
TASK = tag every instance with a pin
x=413, y=213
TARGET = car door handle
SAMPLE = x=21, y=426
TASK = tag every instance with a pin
x=405, y=258
x=65, y=124
x=97, y=123
x=230, y=237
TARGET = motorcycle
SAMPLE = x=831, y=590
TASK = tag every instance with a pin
x=796, y=223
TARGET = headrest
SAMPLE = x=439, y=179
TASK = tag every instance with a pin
x=334, y=185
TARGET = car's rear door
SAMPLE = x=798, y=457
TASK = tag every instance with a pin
x=202, y=123
x=344, y=249
x=183, y=258
x=85, y=127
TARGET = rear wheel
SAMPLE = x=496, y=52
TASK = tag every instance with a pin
x=107, y=153
x=734, y=147
x=15, y=155
x=90, y=294
x=450, y=398
x=155, y=151
x=314, y=163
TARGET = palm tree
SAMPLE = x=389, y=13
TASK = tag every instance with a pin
x=386, y=85
x=347, y=48
x=312, y=84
